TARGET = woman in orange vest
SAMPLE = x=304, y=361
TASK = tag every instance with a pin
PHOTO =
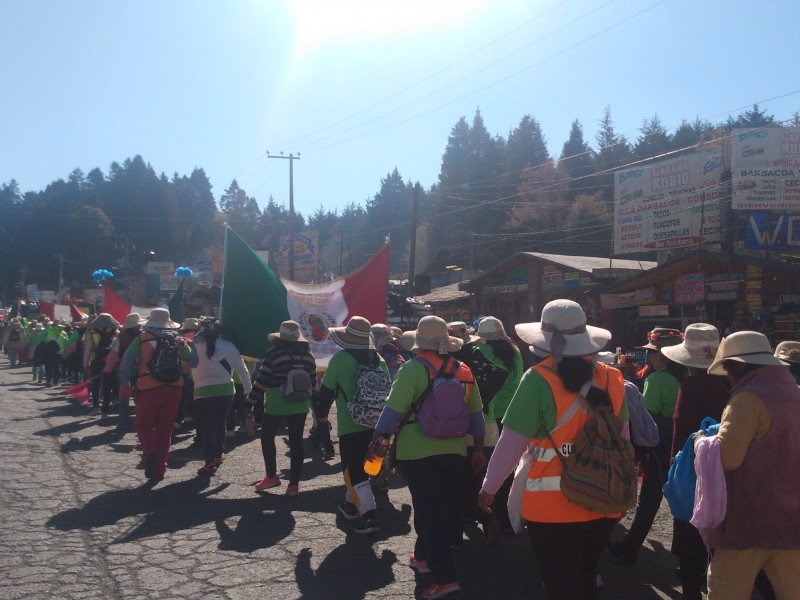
x=547, y=415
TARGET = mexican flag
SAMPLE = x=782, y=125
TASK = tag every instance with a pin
x=255, y=300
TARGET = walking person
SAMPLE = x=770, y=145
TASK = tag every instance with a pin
x=433, y=466
x=700, y=395
x=290, y=352
x=660, y=395
x=14, y=340
x=546, y=414
x=339, y=384
x=99, y=340
x=217, y=358
x=156, y=400
x=760, y=455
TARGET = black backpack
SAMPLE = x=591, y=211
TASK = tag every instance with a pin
x=14, y=335
x=103, y=345
x=165, y=363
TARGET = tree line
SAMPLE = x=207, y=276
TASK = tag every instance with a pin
x=494, y=196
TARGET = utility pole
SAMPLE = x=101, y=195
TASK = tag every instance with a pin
x=60, y=258
x=291, y=158
x=412, y=253
x=24, y=269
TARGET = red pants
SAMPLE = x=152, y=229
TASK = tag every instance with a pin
x=155, y=413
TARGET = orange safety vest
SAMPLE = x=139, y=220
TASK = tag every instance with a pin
x=144, y=380
x=542, y=500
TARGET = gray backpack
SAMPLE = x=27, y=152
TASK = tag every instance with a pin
x=298, y=386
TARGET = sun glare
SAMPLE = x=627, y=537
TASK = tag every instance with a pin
x=346, y=22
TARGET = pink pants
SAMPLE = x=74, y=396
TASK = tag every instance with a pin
x=155, y=413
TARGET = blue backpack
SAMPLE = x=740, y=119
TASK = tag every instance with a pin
x=682, y=478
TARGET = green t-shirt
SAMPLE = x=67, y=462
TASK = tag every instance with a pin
x=661, y=393
x=410, y=382
x=533, y=412
x=502, y=398
x=340, y=376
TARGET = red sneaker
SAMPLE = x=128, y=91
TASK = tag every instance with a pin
x=292, y=490
x=267, y=483
x=440, y=591
x=420, y=566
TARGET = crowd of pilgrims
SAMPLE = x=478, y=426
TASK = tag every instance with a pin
x=514, y=406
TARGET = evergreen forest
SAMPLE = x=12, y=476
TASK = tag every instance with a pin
x=494, y=196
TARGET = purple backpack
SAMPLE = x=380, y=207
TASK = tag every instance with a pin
x=442, y=410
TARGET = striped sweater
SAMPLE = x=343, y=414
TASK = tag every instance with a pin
x=281, y=358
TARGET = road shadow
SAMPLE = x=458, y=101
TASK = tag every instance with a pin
x=365, y=571
x=262, y=520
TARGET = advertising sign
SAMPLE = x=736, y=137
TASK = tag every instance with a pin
x=306, y=257
x=772, y=231
x=765, y=167
x=690, y=289
x=673, y=203
x=656, y=310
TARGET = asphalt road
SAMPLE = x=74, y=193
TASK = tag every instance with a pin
x=80, y=521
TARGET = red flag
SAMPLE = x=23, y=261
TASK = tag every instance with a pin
x=48, y=309
x=114, y=305
x=76, y=312
x=365, y=289
x=80, y=391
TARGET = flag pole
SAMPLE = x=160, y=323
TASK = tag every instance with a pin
x=224, y=265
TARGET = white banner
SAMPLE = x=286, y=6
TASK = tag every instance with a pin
x=673, y=203
x=765, y=165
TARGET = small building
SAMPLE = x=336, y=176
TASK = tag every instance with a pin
x=449, y=302
x=731, y=291
x=517, y=288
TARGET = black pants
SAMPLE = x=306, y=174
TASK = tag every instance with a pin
x=567, y=555
x=101, y=383
x=269, y=427
x=435, y=484
x=654, y=475
x=693, y=557
x=211, y=424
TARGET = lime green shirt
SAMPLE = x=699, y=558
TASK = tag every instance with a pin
x=661, y=393
x=340, y=376
x=533, y=411
x=502, y=399
x=410, y=383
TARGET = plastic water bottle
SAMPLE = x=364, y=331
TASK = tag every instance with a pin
x=374, y=460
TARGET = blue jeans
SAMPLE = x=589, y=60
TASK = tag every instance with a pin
x=435, y=483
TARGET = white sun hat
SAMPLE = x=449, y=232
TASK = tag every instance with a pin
x=563, y=331
x=698, y=349
x=749, y=347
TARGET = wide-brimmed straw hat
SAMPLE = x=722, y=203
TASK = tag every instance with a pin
x=159, y=319
x=698, y=349
x=382, y=334
x=356, y=336
x=289, y=332
x=432, y=335
x=407, y=340
x=132, y=320
x=190, y=324
x=103, y=321
x=491, y=329
x=563, y=331
x=662, y=337
x=788, y=351
x=750, y=347
x=462, y=331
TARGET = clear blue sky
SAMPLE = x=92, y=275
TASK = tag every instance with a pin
x=359, y=88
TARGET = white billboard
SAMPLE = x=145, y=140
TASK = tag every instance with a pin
x=673, y=203
x=765, y=166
